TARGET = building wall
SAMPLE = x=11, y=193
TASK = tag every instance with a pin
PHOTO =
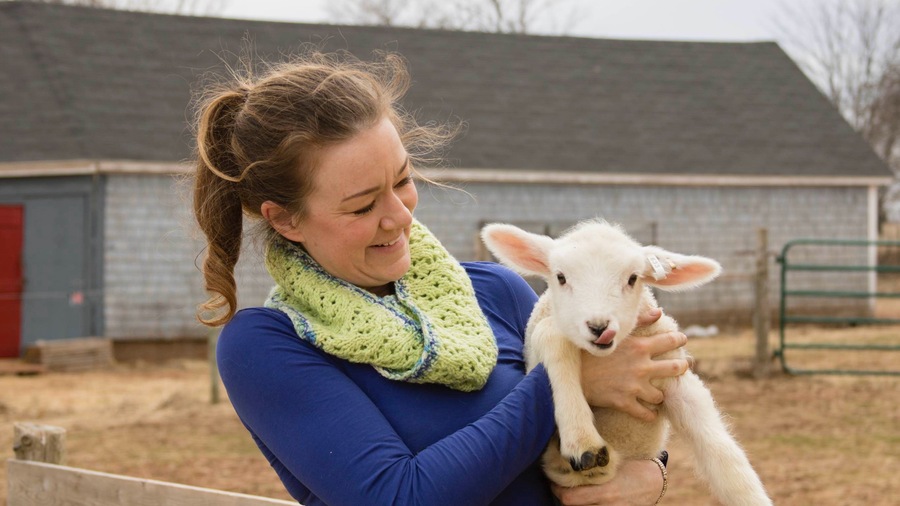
x=150, y=282
x=62, y=295
x=153, y=285
x=153, y=257
x=719, y=222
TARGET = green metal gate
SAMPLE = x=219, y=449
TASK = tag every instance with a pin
x=805, y=265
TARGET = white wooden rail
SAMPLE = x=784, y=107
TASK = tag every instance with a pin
x=35, y=483
x=40, y=484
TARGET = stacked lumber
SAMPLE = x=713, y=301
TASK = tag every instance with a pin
x=79, y=354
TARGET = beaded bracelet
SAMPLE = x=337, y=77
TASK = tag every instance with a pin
x=665, y=475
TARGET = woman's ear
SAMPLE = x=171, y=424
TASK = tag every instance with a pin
x=281, y=220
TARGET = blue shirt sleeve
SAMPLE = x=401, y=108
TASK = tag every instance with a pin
x=330, y=442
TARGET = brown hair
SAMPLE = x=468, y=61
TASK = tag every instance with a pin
x=257, y=140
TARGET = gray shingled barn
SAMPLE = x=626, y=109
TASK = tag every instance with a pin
x=690, y=145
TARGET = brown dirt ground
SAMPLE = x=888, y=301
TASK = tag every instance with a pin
x=830, y=440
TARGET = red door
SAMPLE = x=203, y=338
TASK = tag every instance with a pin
x=10, y=280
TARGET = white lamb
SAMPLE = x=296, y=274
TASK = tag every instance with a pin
x=599, y=281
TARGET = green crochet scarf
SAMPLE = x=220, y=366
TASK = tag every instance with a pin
x=431, y=331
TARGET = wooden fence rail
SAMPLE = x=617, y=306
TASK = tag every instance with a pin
x=35, y=483
x=40, y=484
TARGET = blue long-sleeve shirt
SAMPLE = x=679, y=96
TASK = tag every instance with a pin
x=339, y=433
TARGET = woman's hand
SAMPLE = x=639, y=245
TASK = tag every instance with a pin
x=621, y=380
x=637, y=482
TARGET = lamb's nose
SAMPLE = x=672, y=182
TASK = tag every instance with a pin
x=597, y=328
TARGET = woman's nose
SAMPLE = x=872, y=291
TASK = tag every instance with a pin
x=397, y=214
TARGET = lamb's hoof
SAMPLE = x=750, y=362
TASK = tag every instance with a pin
x=586, y=462
x=602, y=457
x=590, y=460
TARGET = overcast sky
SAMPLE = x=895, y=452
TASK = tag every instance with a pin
x=712, y=20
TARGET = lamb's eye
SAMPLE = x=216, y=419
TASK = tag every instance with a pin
x=561, y=278
x=632, y=280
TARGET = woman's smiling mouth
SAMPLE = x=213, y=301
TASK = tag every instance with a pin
x=389, y=244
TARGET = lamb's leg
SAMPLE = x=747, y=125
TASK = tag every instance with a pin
x=580, y=442
x=720, y=460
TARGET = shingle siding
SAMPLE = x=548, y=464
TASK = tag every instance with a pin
x=153, y=257
x=721, y=223
x=152, y=285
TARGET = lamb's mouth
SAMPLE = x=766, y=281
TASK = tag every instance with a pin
x=603, y=346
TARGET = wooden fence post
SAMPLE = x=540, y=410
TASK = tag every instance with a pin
x=762, y=315
x=212, y=341
x=40, y=443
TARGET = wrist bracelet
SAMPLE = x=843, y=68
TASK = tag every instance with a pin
x=665, y=476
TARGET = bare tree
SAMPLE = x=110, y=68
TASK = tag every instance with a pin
x=503, y=16
x=885, y=117
x=366, y=12
x=851, y=49
x=198, y=7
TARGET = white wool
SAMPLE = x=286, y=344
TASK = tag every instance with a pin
x=599, y=281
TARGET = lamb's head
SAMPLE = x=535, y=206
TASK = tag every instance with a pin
x=597, y=276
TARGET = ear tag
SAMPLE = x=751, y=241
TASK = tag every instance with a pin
x=658, y=271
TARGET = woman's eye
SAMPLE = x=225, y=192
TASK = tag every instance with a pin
x=365, y=210
x=405, y=181
x=632, y=280
x=561, y=278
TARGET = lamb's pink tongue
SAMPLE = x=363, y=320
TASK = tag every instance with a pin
x=606, y=337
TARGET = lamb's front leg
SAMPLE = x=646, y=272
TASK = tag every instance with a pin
x=580, y=442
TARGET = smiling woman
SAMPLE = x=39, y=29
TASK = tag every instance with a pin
x=364, y=188
x=380, y=370
x=264, y=145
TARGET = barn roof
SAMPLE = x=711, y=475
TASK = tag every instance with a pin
x=79, y=83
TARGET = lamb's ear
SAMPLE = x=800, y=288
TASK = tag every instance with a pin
x=673, y=271
x=523, y=251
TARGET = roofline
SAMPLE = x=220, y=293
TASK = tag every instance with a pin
x=345, y=26
x=643, y=179
x=60, y=168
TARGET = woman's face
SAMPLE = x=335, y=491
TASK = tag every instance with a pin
x=359, y=213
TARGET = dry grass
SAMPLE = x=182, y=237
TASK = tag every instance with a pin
x=814, y=439
x=146, y=421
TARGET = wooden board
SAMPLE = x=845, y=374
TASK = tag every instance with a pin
x=79, y=354
x=39, y=443
x=39, y=484
x=16, y=366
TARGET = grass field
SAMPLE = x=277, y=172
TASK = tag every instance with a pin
x=829, y=440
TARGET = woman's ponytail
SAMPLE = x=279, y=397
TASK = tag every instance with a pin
x=217, y=204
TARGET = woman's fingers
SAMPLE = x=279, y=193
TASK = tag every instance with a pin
x=623, y=380
x=639, y=411
x=664, y=343
x=649, y=317
x=651, y=395
x=669, y=368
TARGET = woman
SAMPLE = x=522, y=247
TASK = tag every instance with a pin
x=381, y=371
